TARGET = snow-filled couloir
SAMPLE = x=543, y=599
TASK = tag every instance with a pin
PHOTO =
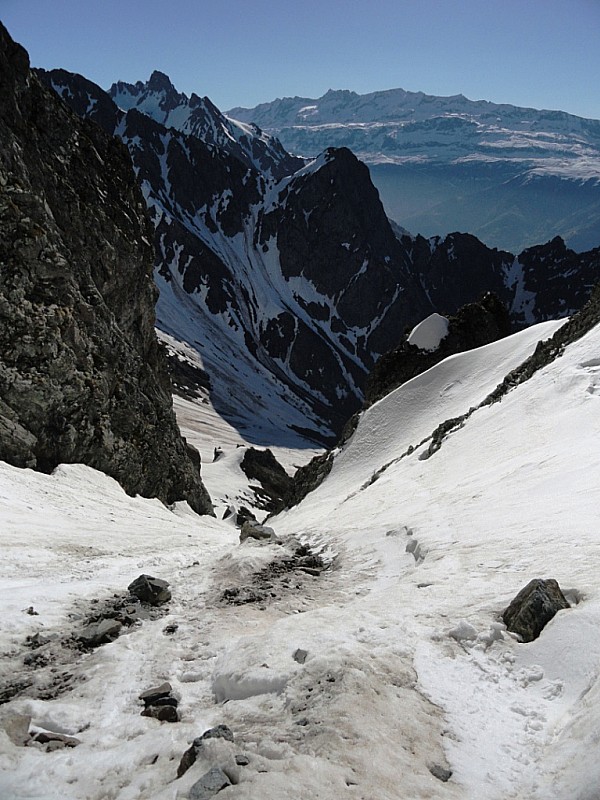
x=384, y=671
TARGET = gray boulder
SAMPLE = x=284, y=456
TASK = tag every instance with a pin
x=191, y=754
x=533, y=608
x=148, y=589
x=163, y=713
x=254, y=530
x=209, y=784
x=99, y=633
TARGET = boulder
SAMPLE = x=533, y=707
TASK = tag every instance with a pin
x=441, y=773
x=300, y=655
x=162, y=713
x=54, y=741
x=150, y=696
x=152, y=591
x=160, y=704
x=253, y=530
x=191, y=754
x=209, y=784
x=533, y=608
x=99, y=633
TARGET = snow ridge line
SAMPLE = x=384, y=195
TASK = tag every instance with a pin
x=545, y=353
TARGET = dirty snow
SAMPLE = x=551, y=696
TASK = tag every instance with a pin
x=408, y=673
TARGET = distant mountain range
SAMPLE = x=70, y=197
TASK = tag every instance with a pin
x=288, y=280
x=512, y=176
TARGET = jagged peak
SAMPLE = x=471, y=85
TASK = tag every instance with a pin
x=159, y=82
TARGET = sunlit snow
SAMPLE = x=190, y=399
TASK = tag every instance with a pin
x=407, y=673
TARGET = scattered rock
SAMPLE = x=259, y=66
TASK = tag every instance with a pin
x=209, y=784
x=300, y=655
x=254, y=530
x=242, y=761
x=32, y=612
x=170, y=629
x=150, y=696
x=99, y=633
x=153, y=591
x=533, y=608
x=218, y=732
x=413, y=546
x=441, y=773
x=54, y=740
x=191, y=754
x=276, y=576
x=160, y=704
x=162, y=713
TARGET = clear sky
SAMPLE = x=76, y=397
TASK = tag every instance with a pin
x=540, y=53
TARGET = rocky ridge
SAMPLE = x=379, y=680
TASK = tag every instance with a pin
x=513, y=176
x=292, y=288
x=82, y=377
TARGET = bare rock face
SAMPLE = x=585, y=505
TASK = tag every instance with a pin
x=82, y=377
x=533, y=608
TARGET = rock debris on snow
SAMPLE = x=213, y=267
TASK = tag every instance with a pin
x=209, y=784
x=191, y=754
x=533, y=608
x=148, y=589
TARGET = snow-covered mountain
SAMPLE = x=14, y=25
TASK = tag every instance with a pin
x=288, y=289
x=384, y=672
x=199, y=117
x=512, y=176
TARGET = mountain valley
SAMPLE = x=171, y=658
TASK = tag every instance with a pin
x=263, y=542
x=512, y=176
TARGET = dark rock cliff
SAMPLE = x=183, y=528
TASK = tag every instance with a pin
x=82, y=377
x=302, y=279
x=473, y=325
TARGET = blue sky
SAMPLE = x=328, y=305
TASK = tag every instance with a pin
x=540, y=53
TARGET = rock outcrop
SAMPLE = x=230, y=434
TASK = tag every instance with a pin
x=474, y=325
x=82, y=376
x=291, y=286
x=533, y=608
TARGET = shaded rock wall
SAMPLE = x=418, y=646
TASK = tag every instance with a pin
x=82, y=377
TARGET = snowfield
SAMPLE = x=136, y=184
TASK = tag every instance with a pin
x=388, y=676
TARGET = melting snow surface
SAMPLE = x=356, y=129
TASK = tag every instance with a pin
x=406, y=672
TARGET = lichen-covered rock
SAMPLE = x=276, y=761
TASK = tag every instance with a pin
x=533, y=608
x=82, y=377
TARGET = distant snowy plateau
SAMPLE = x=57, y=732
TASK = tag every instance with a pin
x=512, y=176
x=386, y=675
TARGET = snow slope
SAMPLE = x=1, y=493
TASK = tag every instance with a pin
x=406, y=672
